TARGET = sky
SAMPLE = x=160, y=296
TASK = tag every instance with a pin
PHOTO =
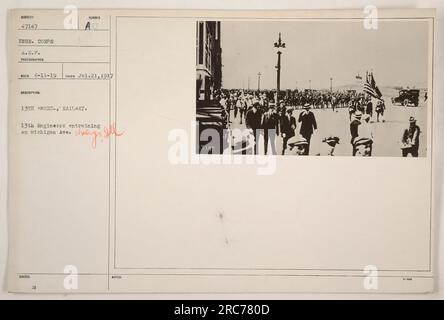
x=397, y=52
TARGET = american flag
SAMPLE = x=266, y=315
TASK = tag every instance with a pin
x=370, y=86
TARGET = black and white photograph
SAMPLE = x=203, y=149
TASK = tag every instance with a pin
x=315, y=87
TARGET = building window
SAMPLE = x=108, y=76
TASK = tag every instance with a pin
x=201, y=42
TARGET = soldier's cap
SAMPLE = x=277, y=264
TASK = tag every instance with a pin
x=358, y=114
x=331, y=140
x=362, y=141
x=412, y=120
x=297, y=141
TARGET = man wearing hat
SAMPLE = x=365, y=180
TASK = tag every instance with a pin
x=288, y=126
x=296, y=146
x=369, y=107
x=354, y=126
x=351, y=108
x=410, y=139
x=363, y=147
x=380, y=108
x=308, y=125
x=270, y=124
x=253, y=121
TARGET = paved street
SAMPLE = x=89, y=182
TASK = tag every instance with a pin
x=387, y=135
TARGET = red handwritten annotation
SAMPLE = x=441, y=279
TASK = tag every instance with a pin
x=96, y=134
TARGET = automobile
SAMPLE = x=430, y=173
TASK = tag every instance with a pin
x=407, y=97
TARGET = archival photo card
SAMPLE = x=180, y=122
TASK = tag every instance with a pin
x=150, y=151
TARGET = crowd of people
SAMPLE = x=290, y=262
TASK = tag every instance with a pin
x=262, y=117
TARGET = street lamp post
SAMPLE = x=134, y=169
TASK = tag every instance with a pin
x=278, y=45
x=331, y=85
x=259, y=81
